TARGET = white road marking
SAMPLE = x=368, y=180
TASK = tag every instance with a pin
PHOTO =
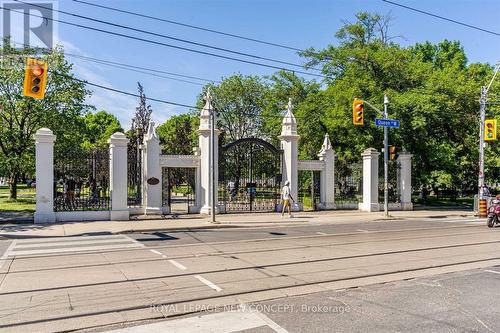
x=156, y=252
x=6, y=253
x=490, y=271
x=223, y=322
x=177, y=264
x=134, y=240
x=85, y=242
x=321, y=233
x=208, y=283
x=362, y=230
x=66, y=239
x=71, y=245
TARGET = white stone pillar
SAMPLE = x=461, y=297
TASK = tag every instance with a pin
x=205, y=184
x=152, y=173
x=118, y=143
x=370, y=181
x=44, y=146
x=289, y=143
x=405, y=180
x=327, y=195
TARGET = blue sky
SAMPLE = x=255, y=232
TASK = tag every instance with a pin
x=297, y=23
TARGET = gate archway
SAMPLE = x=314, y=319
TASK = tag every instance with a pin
x=249, y=176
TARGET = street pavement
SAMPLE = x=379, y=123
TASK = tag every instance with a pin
x=105, y=281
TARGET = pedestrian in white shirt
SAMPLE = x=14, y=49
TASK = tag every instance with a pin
x=286, y=197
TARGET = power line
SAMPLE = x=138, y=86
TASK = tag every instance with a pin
x=138, y=69
x=166, y=36
x=443, y=18
x=190, y=26
x=164, y=44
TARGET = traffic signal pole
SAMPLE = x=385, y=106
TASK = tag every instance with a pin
x=482, y=118
x=212, y=162
x=386, y=159
x=385, y=115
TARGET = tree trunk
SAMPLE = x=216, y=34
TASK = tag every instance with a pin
x=13, y=187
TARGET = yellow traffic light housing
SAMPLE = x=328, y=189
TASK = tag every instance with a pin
x=358, y=112
x=490, y=130
x=393, y=153
x=35, y=78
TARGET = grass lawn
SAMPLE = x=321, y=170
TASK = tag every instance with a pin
x=25, y=199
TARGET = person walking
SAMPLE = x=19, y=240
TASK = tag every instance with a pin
x=286, y=197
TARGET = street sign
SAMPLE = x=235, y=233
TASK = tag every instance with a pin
x=387, y=122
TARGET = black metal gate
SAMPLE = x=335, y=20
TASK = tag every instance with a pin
x=134, y=176
x=249, y=176
x=178, y=189
x=309, y=190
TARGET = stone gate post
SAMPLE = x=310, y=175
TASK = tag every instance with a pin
x=327, y=193
x=152, y=173
x=204, y=151
x=370, y=181
x=405, y=181
x=289, y=143
x=118, y=143
x=44, y=146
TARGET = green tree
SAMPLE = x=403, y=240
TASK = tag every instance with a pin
x=178, y=135
x=21, y=116
x=99, y=127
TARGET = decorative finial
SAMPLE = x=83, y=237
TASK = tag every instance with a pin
x=290, y=105
x=208, y=96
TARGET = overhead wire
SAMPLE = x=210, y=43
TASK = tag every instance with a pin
x=167, y=37
x=442, y=18
x=190, y=26
x=164, y=44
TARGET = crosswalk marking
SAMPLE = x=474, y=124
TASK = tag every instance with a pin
x=71, y=245
x=224, y=322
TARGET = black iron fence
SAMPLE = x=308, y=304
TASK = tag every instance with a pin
x=393, y=181
x=178, y=188
x=81, y=181
x=349, y=183
x=134, y=176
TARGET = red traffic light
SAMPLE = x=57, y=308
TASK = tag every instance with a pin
x=37, y=70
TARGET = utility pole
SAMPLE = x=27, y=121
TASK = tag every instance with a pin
x=482, y=117
x=386, y=159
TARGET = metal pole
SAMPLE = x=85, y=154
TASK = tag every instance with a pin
x=482, y=117
x=386, y=159
x=212, y=162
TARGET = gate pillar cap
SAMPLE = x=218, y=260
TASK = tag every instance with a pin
x=44, y=135
x=118, y=139
x=370, y=152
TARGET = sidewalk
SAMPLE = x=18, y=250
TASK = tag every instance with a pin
x=193, y=222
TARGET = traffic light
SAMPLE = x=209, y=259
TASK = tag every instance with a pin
x=490, y=129
x=393, y=153
x=358, y=112
x=35, y=78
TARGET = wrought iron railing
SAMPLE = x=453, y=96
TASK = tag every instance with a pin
x=81, y=181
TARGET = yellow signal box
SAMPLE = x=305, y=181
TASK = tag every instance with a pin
x=35, y=78
x=490, y=130
x=358, y=112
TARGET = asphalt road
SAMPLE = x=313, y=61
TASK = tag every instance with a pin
x=98, y=282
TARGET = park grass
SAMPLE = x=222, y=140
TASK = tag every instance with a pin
x=25, y=199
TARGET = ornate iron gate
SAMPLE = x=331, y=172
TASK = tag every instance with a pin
x=249, y=176
x=178, y=188
x=134, y=176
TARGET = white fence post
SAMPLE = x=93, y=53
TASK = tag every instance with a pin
x=370, y=181
x=405, y=181
x=118, y=177
x=44, y=142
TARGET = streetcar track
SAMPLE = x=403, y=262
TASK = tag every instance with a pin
x=251, y=267
x=218, y=252
x=212, y=297
x=164, y=247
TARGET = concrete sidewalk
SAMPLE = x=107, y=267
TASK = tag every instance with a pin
x=193, y=222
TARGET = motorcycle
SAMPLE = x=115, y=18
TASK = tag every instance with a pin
x=494, y=212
